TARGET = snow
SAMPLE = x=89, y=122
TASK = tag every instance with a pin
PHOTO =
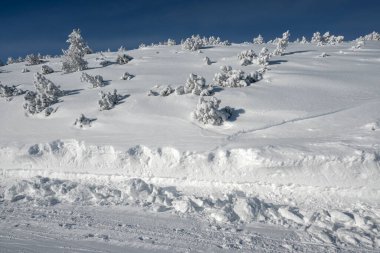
x=296, y=168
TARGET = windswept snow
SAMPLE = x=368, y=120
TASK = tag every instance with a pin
x=294, y=168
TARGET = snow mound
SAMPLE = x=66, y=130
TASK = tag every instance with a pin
x=340, y=227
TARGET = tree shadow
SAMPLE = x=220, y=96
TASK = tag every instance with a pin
x=122, y=98
x=277, y=62
x=207, y=47
x=71, y=92
x=216, y=89
x=298, y=52
x=235, y=113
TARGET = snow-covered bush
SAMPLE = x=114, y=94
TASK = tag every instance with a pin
x=304, y=40
x=73, y=56
x=24, y=70
x=263, y=58
x=214, y=41
x=109, y=100
x=38, y=102
x=166, y=91
x=10, y=91
x=123, y=59
x=32, y=59
x=96, y=81
x=282, y=44
x=359, y=44
x=317, y=38
x=207, y=111
x=171, y=42
x=45, y=69
x=82, y=121
x=247, y=57
x=127, y=76
x=142, y=45
x=258, y=40
x=207, y=61
x=372, y=36
x=10, y=60
x=47, y=87
x=194, y=84
x=235, y=78
x=326, y=39
x=193, y=43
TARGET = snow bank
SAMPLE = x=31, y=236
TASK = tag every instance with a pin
x=341, y=227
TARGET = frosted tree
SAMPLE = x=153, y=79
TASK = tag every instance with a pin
x=127, y=76
x=282, y=44
x=10, y=91
x=32, y=59
x=123, y=59
x=193, y=43
x=109, y=100
x=263, y=58
x=195, y=84
x=247, y=57
x=207, y=111
x=317, y=38
x=304, y=40
x=45, y=69
x=73, y=56
x=258, y=40
x=83, y=121
x=171, y=42
x=10, y=60
x=207, y=61
x=166, y=91
x=47, y=87
x=96, y=81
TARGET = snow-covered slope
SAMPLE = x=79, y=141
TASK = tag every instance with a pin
x=301, y=151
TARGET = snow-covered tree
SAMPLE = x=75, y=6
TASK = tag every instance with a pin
x=171, y=42
x=317, y=38
x=83, y=121
x=10, y=91
x=47, y=87
x=10, y=60
x=207, y=61
x=73, y=56
x=194, y=84
x=32, y=59
x=232, y=78
x=263, y=58
x=258, y=40
x=194, y=43
x=123, y=59
x=166, y=91
x=24, y=70
x=372, y=36
x=96, y=81
x=282, y=44
x=45, y=69
x=127, y=76
x=109, y=100
x=207, y=111
x=247, y=57
x=304, y=40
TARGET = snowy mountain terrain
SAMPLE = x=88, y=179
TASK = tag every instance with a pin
x=295, y=167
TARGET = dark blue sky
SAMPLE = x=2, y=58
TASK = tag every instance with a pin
x=43, y=26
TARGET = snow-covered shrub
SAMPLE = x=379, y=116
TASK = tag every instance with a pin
x=10, y=91
x=372, y=36
x=82, y=121
x=207, y=61
x=229, y=77
x=194, y=84
x=247, y=57
x=326, y=39
x=282, y=44
x=127, y=76
x=317, y=38
x=193, y=43
x=73, y=56
x=32, y=59
x=263, y=58
x=96, y=81
x=47, y=87
x=166, y=91
x=123, y=59
x=45, y=69
x=24, y=70
x=38, y=102
x=258, y=40
x=214, y=41
x=109, y=100
x=171, y=42
x=10, y=60
x=304, y=40
x=207, y=111
x=359, y=44
x=142, y=45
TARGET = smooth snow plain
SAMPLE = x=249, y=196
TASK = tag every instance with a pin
x=295, y=169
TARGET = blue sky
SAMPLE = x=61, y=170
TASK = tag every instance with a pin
x=43, y=26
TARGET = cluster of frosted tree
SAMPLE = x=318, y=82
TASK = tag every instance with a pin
x=46, y=94
x=73, y=56
x=282, y=44
x=195, y=42
x=33, y=59
x=96, y=81
x=372, y=36
x=109, y=100
x=247, y=57
x=258, y=40
x=196, y=85
x=207, y=111
x=326, y=39
x=232, y=78
x=83, y=121
x=45, y=69
x=10, y=91
x=123, y=59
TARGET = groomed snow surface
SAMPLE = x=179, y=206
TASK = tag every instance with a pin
x=295, y=169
